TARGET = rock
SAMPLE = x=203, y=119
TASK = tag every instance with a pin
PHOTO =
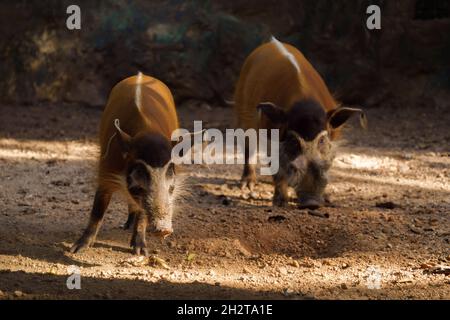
x=319, y=214
x=226, y=201
x=386, y=205
x=242, y=250
x=438, y=270
x=29, y=210
x=211, y=273
x=254, y=195
x=345, y=266
x=277, y=218
x=60, y=183
x=415, y=230
x=344, y=286
x=282, y=271
x=294, y=263
x=18, y=293
x=172, y=244
x=288, y=292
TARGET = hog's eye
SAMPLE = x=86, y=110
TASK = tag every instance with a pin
x=136, y=190
x=322, y=141
x=138, y=179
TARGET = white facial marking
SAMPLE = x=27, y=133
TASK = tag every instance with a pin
x=286, y=53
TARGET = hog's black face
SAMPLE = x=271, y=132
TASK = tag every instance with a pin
x=153, y=189
x=306, y=151
x=305, y=164
x=151, y=179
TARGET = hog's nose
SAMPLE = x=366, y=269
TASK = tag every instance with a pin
x=162, y=232
x=310, y=203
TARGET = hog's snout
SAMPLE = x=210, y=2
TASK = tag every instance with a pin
x=161, y=229
x=163, y=233
x=310, y=202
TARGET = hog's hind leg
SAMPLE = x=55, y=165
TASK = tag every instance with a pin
x=249, y=175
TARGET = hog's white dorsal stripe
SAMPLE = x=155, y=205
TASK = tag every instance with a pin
x=286, y=53
x=138, y=92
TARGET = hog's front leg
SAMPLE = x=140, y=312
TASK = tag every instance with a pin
x=280, y=197
x=138, y=242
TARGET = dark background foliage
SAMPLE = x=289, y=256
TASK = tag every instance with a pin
x=198, y=46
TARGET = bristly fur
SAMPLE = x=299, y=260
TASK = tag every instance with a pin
x=307, y=118
x=180, y=191
x=155, y=149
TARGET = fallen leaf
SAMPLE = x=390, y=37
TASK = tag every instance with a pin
x=158, y=262
x=191, y=256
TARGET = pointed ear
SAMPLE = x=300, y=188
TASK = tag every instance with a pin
x=124, y=139
x=337, y=117
x=272, y=112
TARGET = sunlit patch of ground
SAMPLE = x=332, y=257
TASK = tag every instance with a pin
x=386, y=236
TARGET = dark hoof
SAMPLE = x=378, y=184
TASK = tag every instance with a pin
x=249, y=182
x=82, y=244
x=140, y=250
x=280, y=202
x=139, y=246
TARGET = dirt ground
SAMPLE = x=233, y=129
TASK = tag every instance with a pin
x=386, y=234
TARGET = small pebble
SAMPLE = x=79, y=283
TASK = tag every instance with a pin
x=318, y=214
x=254, y=195
x=294, y=263
x=18, y=293
x=226, y=201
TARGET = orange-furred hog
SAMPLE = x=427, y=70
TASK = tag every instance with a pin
x=135, y=159
x=279, y=89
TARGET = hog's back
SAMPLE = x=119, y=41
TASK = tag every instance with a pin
x=269, y=76
x=150, y=108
